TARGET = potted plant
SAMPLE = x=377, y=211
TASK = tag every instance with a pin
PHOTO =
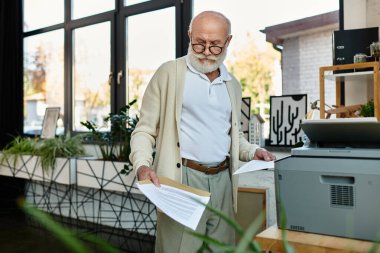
x=42, y=160
x=368, y=109
x=19, y=151
x=112, y=171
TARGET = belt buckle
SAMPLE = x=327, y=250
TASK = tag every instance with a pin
x=207, y=169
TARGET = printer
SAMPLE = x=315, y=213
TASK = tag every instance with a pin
x=331, y=185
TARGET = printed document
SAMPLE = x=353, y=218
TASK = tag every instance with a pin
x=255, y=165
x=180, y=202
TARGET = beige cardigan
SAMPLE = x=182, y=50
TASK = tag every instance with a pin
x=159, y=125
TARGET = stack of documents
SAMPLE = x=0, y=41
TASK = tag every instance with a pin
x=182, y=203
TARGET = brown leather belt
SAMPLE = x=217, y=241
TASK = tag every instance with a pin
x=205, y=169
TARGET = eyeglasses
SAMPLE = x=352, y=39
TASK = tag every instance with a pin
x=215, y=50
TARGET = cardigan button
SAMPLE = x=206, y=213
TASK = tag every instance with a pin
x=177, y=144
x=178, y=165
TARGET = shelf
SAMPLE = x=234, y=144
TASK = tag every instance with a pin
x=353, y=68
x=358, y=73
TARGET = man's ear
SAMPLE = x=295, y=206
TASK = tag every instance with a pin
x=228, y=40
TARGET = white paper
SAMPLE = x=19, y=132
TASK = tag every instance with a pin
x=255, y=165
x=180, y=205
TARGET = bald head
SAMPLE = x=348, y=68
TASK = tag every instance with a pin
x=209, y=35
x=212, y=20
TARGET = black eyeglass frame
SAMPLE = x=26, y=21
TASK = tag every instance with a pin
x=209, y=47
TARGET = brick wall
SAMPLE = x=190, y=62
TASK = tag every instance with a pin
x=302, y=56
x=291, y=66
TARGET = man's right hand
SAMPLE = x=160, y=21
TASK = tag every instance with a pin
x=144, y=172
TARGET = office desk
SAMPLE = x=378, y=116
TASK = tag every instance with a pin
x=270, y=239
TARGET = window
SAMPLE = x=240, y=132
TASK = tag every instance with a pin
x=36, y=16
x=97, y=57
x=43, y=78
x=85, y=8
x=151, y=42
x=132, y=2
x=91, y=68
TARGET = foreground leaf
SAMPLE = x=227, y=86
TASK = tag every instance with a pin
x=60, y=232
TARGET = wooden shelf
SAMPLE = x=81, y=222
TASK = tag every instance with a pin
x=361, y=73
x=353, y=67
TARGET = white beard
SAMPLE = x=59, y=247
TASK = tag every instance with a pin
x=209, y=64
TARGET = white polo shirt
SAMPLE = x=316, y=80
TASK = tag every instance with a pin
x=206, y=117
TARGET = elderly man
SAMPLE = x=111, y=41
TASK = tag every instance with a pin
x=191, y=114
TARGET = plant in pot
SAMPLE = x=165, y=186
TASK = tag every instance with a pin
x=368, y=109
x=16, y=148
x=62, y=146
x=45, y=160
x=114, y=147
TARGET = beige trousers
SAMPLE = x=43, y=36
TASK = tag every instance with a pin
x=172, y=236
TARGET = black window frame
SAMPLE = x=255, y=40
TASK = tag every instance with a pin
x=183, y=15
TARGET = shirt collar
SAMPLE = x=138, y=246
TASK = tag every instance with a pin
x=224, y=75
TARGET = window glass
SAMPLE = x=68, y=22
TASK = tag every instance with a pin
x=43, y=79
x=150, y=42
x=131, y=2
x=36, y=14
x=84, y=8
x=91, y=68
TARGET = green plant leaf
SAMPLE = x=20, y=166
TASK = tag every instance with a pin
x=62, y=146
x=126, y=170
x=17, y=147
x=368, y=109
x=375, y=244
x=98, y=242
x=60, y=232
x=211, y=241
x=226, y=218
x=115, y=144
x=231, y=222
x=247, y=238
x=287, y=247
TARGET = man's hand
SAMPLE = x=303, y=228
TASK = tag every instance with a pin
x=144, y=172
x=263, y=154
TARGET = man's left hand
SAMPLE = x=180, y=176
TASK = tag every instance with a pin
x=263, y=154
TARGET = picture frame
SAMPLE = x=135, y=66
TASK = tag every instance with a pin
x=49, y=124
x=245, y=116
x=286, y=114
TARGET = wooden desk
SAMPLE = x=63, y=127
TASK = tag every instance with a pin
x=270, y=239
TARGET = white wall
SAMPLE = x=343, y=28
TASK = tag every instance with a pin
x=373, y=13
x=360, y=14
x=355, y=12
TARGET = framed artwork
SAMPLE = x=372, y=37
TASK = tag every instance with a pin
x=286, y=113
x=49, y=124
x=245, y=116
